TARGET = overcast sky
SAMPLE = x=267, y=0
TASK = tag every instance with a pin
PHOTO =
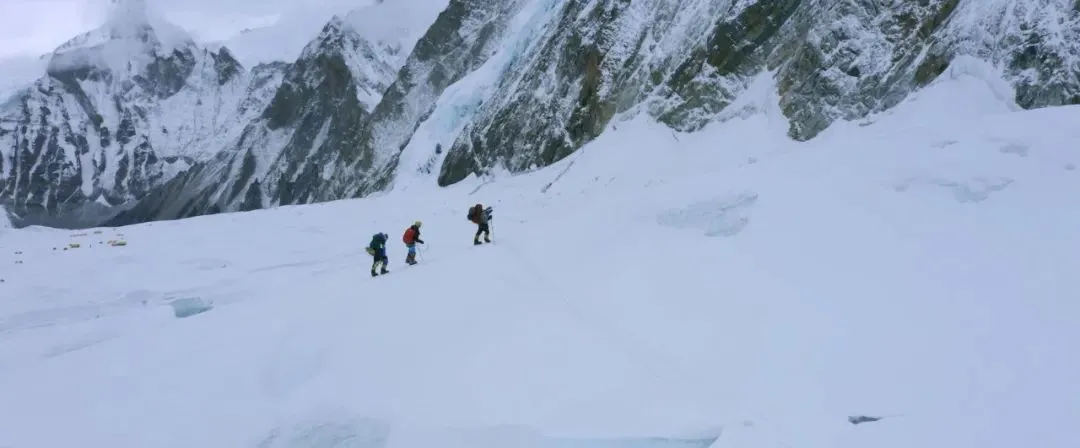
x=35, y=27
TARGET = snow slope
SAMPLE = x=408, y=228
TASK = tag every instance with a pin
x=655, y=284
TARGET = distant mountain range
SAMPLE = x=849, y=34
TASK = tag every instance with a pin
x=136, y=121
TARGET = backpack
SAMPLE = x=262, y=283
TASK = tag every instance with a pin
x=409, y=236
x=473, y=216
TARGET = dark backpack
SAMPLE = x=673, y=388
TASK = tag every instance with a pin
x=473, y=213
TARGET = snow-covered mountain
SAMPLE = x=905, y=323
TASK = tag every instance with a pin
x=684, y=62
x=316, y=124
x=393, y=92
x=123, y=108
x=283, y=35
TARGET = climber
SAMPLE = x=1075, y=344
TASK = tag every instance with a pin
x=411, y=238
x=377, y=249
x=481, y=217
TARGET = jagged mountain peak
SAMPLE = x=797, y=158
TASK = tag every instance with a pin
x=435, y=91
x=132, y=36
x=132, y=21
x=334, y=30
x=394, y=26
x=122, y=109
x=370, y=54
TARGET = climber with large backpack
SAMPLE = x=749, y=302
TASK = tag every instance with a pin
x=411, y=238
x=377, y=249
x=482, y=218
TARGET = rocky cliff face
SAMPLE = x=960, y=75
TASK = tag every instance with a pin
x=685, y=62
x=337, y=123
x=122, y=110
x=506, y=84
x=462, y=39
x=283, y=156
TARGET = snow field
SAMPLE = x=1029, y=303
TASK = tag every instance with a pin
x=728, y=282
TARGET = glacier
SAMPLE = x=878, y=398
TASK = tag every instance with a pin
x=916, y=268
x=456, y=105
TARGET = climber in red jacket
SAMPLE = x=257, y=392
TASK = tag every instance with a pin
x=411, y=238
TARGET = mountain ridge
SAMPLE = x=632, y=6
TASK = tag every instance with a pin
x=542, y=78
x=103, y=127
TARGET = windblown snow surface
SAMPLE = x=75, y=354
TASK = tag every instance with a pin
x=727, y=288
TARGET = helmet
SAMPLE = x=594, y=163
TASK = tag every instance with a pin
x=417, y=223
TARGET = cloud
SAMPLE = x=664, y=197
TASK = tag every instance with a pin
x=211, y=20
x=36, y=27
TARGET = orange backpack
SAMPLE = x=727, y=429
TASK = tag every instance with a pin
x=474, y=213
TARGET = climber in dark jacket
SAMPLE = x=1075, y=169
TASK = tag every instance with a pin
x=377, y=249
